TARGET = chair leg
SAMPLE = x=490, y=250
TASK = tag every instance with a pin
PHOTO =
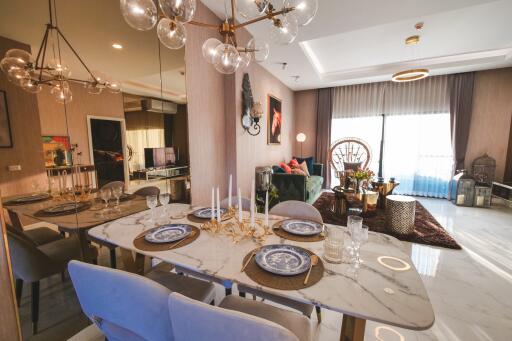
x=318, y=314
x=95, y=261
x=63, y=275
x=228, y=291
x=113, y=261
x=35, y=306
x=241, y=294
x=19, y=290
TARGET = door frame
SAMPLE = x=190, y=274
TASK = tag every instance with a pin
x=123, y=142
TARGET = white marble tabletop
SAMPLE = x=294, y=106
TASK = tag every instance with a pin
x=372, y=292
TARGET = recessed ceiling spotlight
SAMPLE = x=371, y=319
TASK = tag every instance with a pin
x=296, y=78
x=419, y=26
x=117, y=46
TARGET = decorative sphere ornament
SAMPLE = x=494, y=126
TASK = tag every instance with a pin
x=259, y=50
x=305, y=10
x=209, y=51
x=142, y=15
x=227, y=59
x=180, y=10
x=171, y=33
x=250, y=9
x=284, y=30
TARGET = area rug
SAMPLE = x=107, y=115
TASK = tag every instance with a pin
x=427, y=229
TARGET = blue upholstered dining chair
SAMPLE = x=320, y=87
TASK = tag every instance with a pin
x=298, y=210
x=126, y=306
x=236, y=319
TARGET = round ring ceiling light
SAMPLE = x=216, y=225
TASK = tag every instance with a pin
x=406, y=266
x=410, y=75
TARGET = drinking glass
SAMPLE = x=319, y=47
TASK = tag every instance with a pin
x=353, y=221
x=333, y=244
x=152, y=202
x=164, y=201
x=359, y=237
x=117, y=191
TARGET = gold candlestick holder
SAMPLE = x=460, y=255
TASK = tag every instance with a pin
x=239, y=230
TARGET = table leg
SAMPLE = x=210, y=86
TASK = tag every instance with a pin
x=352, y=328
x=84, y=245
x=131, y=263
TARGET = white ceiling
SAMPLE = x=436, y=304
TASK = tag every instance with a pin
x=363, y=41
x=92, y=26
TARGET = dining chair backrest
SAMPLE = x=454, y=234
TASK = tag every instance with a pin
x=246, y=203
x=28, y=262
x=149, y=190
x=113, y=184
x=194, y=320
x=297, y=209
x=123, y=305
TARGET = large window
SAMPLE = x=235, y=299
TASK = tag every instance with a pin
x=417, y=149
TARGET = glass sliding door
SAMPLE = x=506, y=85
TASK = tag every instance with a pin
x=417, y=151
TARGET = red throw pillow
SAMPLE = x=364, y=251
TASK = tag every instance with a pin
x=286, y=168
x=294, y=163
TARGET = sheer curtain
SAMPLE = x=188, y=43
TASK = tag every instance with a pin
x=416, y=123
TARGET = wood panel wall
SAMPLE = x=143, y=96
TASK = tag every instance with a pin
x=27, y=150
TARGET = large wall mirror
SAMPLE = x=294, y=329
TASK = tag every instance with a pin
x=55, y=158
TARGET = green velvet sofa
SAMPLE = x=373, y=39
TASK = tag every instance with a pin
x=299, y=187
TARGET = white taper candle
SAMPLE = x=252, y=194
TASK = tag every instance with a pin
x=213, y=204
x=239, y=204
x=253, y=202
x=218, y=205
x=230, y=189
x=266, y=208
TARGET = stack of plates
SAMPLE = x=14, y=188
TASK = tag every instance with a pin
x=302, y=227
x=168, y=233
x=284, y=260
x=206, y=213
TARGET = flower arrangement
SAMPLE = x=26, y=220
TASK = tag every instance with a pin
x=363, y=177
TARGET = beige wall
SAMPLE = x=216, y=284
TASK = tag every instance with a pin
x=206, y=114
x=54, y=118
x=492, y=112
x=27, y=150
x=305, y=121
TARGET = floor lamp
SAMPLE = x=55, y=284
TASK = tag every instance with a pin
x=301, y=137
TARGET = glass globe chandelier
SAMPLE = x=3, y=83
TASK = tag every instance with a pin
x=32, y=74
x=226, y=55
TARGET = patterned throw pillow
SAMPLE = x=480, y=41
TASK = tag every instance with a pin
x=309, y=161
x=286, y=168
x=294, y=163
x=298, y=171
x=304, y=168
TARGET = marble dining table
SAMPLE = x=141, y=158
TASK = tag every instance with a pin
x=76, y=224
x=371, y=292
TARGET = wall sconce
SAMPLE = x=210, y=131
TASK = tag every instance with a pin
x=251, y=111
x=251, y=122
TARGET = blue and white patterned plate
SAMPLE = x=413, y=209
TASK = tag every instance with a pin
x=284, y=260
x=302, y=227
x=206, y=213
x=168, y=233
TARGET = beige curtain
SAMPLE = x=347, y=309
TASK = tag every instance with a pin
x=426, y=96
x=143, y=130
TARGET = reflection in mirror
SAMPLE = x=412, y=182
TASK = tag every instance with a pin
x=67, y=167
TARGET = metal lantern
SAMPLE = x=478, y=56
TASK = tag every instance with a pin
x=482, y=196
x=263, y=178
x=462, y=191
x=484, y=169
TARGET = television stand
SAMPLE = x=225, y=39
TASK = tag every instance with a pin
x=168, y=172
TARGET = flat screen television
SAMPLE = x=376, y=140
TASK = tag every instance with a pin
x=159, y=157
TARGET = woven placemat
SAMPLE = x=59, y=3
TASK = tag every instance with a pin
x=271, y=280
x=140, y=243
x=290, y=236
x=191, y=217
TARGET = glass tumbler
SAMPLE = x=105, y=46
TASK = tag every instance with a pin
x=333, y=244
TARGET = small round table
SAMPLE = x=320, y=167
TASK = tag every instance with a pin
x=400, y=214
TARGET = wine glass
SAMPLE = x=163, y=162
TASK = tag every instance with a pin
x=359, y=237
x=117, y=191
x=353, y=222
x=164, y=201
x=152, y=202
x=105, y=194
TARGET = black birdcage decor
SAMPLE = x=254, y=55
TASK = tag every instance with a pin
x=462, y=189
x=484, y=169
